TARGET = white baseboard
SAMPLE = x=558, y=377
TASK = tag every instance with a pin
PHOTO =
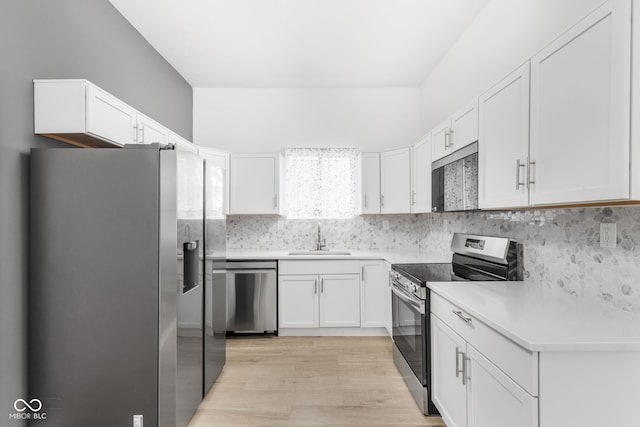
x=333, y=332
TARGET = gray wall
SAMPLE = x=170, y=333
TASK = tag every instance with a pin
x=61, y=39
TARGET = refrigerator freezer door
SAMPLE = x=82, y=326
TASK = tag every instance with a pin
x=190, y=215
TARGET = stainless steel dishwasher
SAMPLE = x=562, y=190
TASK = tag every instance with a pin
x=252, y=301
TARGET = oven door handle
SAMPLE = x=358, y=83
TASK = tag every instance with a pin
x=418, y=305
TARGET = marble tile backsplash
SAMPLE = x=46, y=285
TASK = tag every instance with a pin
x=560, y=246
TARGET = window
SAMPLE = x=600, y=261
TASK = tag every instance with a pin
x=320, y=182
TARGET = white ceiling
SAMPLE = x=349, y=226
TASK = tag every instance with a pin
x=301, y=43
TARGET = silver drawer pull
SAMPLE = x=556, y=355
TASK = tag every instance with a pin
x=462, y=316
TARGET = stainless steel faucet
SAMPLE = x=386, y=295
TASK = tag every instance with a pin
x=319, y=245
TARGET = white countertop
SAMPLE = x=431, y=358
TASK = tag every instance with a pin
x=393, y=257
x=542, y=319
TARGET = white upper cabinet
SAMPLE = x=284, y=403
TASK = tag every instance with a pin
x=504, y=142
x=369, y=199
x=421, y=176
x=455, y=132
x=148, y=131
x=395, y=181
x=254, y=183
x=82, y=114
x=464, y=126
x=440, y=140
x=220, y=160
x=580, y=106
x=106, y=116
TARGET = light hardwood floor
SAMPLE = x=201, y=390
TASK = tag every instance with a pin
x=295, y=381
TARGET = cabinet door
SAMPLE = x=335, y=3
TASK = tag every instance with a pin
x=464, y=126
x=580, y=95
x=254, y=183
x=374, y=291
x=298, y=301
x=150, y=131
x=340, y=300
x=504, y=140
x=449, y=393
x=388, y=316
x=396, y=181
x=108, y=117
x=494, y=400
x=220, y=159
x=370, y=170
x=421, y=176
x=440, y=140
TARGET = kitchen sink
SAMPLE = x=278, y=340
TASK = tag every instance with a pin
x=322, y=252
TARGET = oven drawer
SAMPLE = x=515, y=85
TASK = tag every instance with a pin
x=519, y=364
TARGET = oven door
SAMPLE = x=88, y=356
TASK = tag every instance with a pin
x=410, y=330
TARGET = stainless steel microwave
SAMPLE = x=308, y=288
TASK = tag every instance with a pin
x=455, y=181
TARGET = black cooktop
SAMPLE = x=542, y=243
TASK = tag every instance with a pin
x=422, y=273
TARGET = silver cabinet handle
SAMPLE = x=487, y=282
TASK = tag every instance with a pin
x=450, y=139
x=315, y=286
x=365, y=201
x=413, y=198
x=458, y=313
x=275, y=201
x=531, y=179
x=142, y=134
x=519, y=165
x=458, y=370
x=446, y=139
x=382, y=200
x=362, y=271
x=135, y=134
x=322, y=285
x=465, y=374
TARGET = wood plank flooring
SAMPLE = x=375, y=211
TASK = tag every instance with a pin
x=296, y=381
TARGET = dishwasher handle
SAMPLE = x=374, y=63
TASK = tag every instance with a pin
x=248, y=271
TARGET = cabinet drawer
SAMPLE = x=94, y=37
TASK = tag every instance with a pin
x=319, y=267
x=519, y=364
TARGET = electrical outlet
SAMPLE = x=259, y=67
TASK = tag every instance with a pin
x=385, y=224
x=607, y=234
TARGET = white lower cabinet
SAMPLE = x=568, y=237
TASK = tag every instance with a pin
x=298, y=301
x=469, y=389
x=448, y=390
x=319, y=294
x=494, y=399
x=375, y=293
x=339, y=300
x=310, y=301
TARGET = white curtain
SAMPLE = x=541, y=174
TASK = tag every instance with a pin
x=320, y=182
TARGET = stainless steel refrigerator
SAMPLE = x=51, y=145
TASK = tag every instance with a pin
x=118, y=242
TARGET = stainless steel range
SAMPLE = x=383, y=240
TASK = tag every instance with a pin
x=474, y=258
